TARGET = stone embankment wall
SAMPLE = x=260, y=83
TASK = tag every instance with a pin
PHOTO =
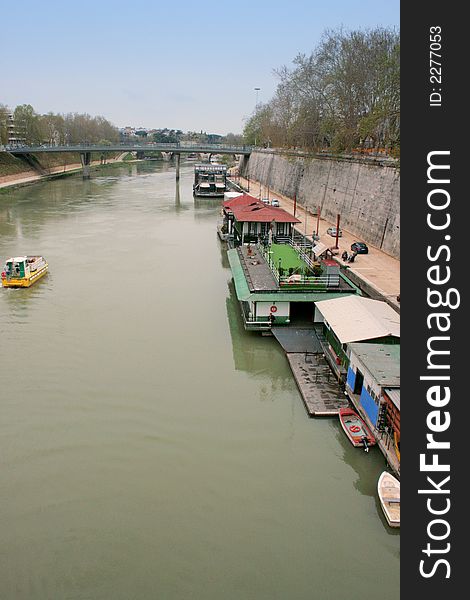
x=367, y=196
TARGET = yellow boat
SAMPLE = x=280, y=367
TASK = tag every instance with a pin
x=23, y=271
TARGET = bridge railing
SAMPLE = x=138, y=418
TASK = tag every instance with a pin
x=157, y=146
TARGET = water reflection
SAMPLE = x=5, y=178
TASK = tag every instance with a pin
x=151, y=433
x=368, y=466
x=252, y=352
x=177, y=197
x=223, y=254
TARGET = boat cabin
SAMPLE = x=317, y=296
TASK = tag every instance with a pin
x=252, y=221
x=15, y=266
x=20, y=266
x=372, y=369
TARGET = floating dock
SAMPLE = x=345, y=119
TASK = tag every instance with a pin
x=318, y=386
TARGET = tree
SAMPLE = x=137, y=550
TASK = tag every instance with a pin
x=234, y=139
x=27, y=124
x=4, y=112
x=260, y=126
x=53, y=128
x=347, y=90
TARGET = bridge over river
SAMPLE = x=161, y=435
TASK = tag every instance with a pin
x=85, y=150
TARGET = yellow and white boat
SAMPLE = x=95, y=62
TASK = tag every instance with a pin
x=23, y=271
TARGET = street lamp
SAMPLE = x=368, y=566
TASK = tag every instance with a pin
x=257, y=89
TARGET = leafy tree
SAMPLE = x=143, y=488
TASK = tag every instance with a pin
x=4, y=112
x=28, y=123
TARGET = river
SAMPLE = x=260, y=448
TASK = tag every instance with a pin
x=149, y=446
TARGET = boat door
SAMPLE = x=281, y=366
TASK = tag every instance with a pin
x=358, y=383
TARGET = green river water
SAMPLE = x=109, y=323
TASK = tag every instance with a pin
x=150, y=448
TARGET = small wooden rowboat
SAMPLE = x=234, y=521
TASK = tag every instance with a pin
x=355, y=428
x=389, y=494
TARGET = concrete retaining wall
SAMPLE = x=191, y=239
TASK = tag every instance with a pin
x=367, y=196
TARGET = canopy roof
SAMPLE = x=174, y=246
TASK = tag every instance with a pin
x=262, y=213
x=355, y=318
x=242, y=200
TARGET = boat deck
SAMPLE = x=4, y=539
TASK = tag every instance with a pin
x=318, y=386
x=298, y=339
x=257, y=272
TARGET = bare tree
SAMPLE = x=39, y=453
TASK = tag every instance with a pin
x=345, y=92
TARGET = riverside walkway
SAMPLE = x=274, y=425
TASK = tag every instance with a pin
x=31, y=177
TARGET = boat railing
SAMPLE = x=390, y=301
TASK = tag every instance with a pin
x=250, y=321
x=293, y=280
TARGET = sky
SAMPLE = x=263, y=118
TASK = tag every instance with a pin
x=179, y=64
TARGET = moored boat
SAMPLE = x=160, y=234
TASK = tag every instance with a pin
x=210, y=180
x=388, y=488
x=23, y=271
x=355, y=428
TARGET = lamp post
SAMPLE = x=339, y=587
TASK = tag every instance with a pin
x=257, y=89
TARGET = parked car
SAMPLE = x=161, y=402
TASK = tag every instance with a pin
x=332, y=231
x=265, y=200
x=360, y=248
x=274, y=202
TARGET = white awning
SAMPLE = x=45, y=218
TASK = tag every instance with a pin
x=319, y=248
x=355, y=318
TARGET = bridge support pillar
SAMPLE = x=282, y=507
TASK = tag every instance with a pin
x=85, y=158
x=178, y=160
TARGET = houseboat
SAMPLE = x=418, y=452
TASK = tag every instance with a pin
x=23, y=271
x=210, y=180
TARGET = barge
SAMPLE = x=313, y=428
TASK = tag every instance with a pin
x=210, y=180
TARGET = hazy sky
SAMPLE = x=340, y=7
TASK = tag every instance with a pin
x=176, y=63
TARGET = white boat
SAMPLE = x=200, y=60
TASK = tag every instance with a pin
x=389, y=494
